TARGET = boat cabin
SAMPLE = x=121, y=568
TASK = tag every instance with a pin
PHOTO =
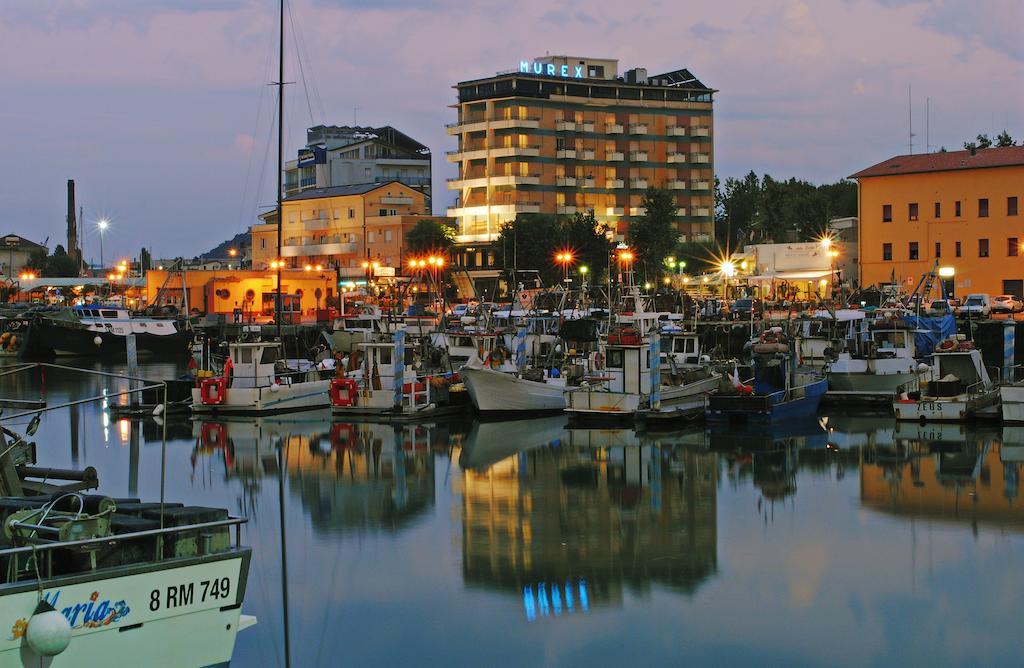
x=680, y=349
x=958, y=372
x=253, y=363
x=627, y=368
x=100, y=312
x=891, y=343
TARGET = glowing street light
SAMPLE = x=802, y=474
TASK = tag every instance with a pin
x=102, y=224
x=728, y=269
x=232, y=252
x=564, y=258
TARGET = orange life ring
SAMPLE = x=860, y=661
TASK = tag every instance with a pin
x=343, y=392
x=598, y=361
x=213, y=391
x=946, y=345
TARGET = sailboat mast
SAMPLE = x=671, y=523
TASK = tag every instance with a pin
x=280, y=165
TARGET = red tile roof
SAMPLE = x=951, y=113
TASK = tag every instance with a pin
x=943, y=162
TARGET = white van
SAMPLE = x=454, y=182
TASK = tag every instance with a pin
x=977, y=304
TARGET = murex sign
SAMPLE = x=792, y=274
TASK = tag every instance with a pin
x=550, y=69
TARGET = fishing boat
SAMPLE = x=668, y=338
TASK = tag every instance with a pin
x=97, y=330
x=384, y=385
x=506, y=390
x=779, y=390
x=623, y=381
x=958, y=387
x=256, y=381
x=884, y=366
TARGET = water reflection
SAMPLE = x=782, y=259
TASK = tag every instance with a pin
x=570, y=527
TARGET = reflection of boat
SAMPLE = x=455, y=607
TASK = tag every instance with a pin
x=259, y=384
x=805, y=432
x=491, y=442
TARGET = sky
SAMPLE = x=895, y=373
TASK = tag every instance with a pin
x=162, y=114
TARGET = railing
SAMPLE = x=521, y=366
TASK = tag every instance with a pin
x=109, y=541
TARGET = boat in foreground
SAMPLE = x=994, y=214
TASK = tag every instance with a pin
x=958, y=389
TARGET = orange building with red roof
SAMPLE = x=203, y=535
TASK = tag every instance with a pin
x=958, y=210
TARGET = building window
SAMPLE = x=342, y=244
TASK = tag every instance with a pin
x=912, y=211
x=371, y=237
x=959, y=249
x=913, y=252
x=957, y=209
x=938, y=250
x=263, y=244
x=982, y=247
x=351, y=213
x=887, y=252
x=938, y=210
x=382, y=212
x=1011, y=206
x=887, y=213
x=983, y=207
x=1012, y=246
x=387, y=235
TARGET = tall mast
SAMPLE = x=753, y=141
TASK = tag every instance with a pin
x=280, y=166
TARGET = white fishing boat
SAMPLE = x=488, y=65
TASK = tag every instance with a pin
x=623, y=381
x=505, y=390
x=256, y=382
x=884, y=366
x=385, y=385
x=957, y=388
x=101, y=330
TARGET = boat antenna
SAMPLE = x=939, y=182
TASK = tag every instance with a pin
x=280, y=166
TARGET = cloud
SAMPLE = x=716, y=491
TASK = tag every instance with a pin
x=702, y=30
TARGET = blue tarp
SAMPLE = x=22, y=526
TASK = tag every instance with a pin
x=929, y=331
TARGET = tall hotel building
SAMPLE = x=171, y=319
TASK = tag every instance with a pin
x=560, y=135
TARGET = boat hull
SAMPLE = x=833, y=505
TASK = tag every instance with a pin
x=304, y=396
x=944, y=409
x=598, y=406
x=496, y=393
x=767, y=408
x=168, y=613
x=1011, y=399
x=869, y=383
x=68, y=338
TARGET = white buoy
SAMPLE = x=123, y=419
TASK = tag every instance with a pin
x=48, y=632
x=159, y=409
x=98, y=341
x=276, y=387
x=922, y=368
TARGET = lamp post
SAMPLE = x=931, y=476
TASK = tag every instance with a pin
x=564, y=258
x=625, y=257
x=102, y=226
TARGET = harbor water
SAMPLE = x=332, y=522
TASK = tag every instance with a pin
x=837, y=540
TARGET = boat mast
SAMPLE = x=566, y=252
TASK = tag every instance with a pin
x=280, y=166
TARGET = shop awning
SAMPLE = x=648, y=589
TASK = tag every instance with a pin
x=803, y=275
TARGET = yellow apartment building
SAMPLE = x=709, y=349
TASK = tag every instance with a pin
x=561, y=135
x=341, y=226
x=959, y=210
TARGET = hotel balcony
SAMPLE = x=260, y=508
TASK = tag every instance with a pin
x=615, y=156
x=681, y=211
x=476, y=124
x=637, y=128
x=586, y=154
x=531, y=123
x=563, y=208
x=514, y=151
x=638, y=156
x=496, y=208
x=566, y=154
x=677, y=185
x=565, y=126
x=315, y=224
x=701, y=185
x=500, y=180
x=698, y=131
x=586, y=126
x=638, y=184
x=467, y=154
x=565, y=181
x=700, y=157
x=613, y=129
x=614, y=184
x=676, y=131
x=395, y=200
x=637, y=211
x=702, y=211
x=614, y=211
x=676, y=157
x=588, y=182
x=334, y=246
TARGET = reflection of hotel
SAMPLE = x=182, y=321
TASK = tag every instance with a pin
x=971, y=482
x=555, y=522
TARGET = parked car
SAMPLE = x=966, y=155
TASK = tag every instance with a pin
x=743, y=307
x=940, y=307
x=977, y=304
x=1006, y=304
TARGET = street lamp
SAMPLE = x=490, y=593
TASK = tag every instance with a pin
x=564, y=258
x=102, y=226
x=625, y=257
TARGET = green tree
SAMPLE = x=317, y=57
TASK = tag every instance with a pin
x=741, y=198
x=531, y=241
x=429, y=235
x=1004, y=140
x=37, y=261
x=61, y=265
x=654, y=235
x=590, y=242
